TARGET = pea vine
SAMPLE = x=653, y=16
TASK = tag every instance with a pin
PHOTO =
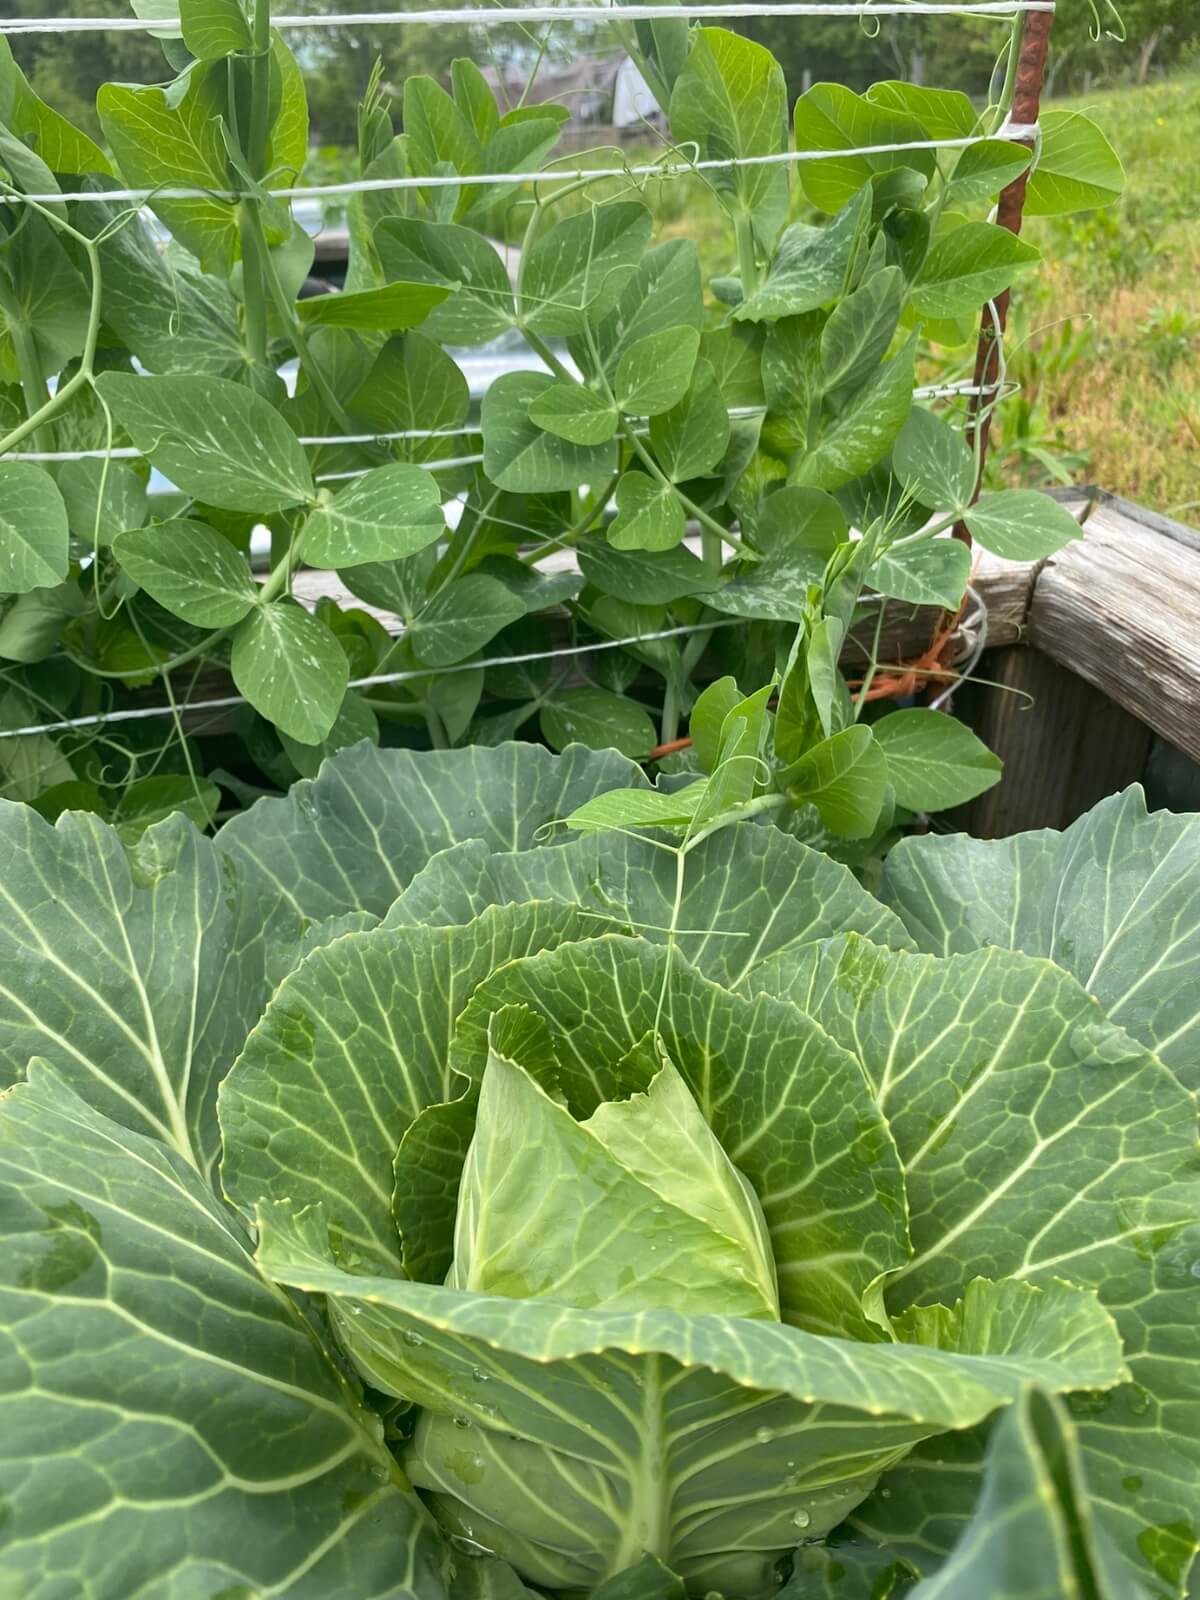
x=730, y=474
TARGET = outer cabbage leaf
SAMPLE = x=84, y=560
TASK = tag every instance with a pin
x=713, y=1442
x=136, y=972
x=351, y=838
x=170, y=1423
x=747, y=892
x=1034, y=1534
x=1114, y=898
x=1039, y=1142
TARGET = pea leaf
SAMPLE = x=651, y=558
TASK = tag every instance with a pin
x=860, y=328
x=291, y=669
x=934, y=460
x=152, y=799
x=575, y=413
x=923, y=571
x=731, y=100
x=664, y=292
x=636, y=808
x=775, y=589
x=794, y=519
x=735, y=355
x=845, y=778
x=810, y=266
x=713, y=705
x=1021, y=524
x=520, y=456
x=190, y=569
x=943, y=113
x=389, y=512
x=440, y=138
x=934, y=761
x=214, y=28
x=599, y=720
x=102, y=498
x=831, y=117
x=34, y=535
x=172, y=316
x=392, y=308
x=396, y=586
x=479, y=306
x=1077, y=169
x=414, y=386
x=969, y=265
x=649, y=516
x=33, y=623
x=461, y=617
x=982, y=170
x=692, y=436
x=62, y=147
x=355, y=721
x=161, y=137
x=474, y=98
x=580, y=265
x=647, y=577
x=853, y=441
x=521, y=143
x=48, y=297
x=215, y=440
x=653, y=374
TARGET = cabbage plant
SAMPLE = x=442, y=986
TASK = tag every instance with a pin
x=409, y=1193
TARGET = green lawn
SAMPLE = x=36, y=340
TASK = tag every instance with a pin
x=1106, y=340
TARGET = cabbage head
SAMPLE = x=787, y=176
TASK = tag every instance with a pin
x=404, y=1196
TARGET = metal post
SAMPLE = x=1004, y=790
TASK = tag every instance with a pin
x=1031, y=68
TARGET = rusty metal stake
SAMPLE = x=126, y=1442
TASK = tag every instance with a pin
x=1031, y=69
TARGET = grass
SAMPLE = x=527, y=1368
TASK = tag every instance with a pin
x=1106, y=339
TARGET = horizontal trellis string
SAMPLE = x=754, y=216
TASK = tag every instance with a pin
x=544, y=175
x=930, y=391
x=377, y=680
x=500, y=15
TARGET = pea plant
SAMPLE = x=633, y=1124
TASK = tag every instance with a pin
x=737, y=467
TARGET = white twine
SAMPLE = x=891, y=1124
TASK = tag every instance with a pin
x=377, y=680
x=501, y=15
x=129, y=453
x=666, y=169
x=442, y=464
x=974, y=628
x=928, y=391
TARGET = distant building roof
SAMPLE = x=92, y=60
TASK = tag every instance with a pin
x=594, y=88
